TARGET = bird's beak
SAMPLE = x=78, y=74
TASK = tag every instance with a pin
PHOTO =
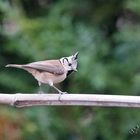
x=75, y=70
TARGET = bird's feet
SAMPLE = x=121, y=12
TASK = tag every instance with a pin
x=63, y=92
x=60, y=94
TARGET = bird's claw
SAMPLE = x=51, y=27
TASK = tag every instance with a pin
x=63, y=93
x=60, y=94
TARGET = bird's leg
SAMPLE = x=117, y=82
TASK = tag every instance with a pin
x=40, y=88
x=57, y=89
x=60, y=92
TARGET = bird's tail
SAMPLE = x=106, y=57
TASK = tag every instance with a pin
x=14, y=65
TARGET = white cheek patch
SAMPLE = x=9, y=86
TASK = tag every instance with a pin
x=70, y=63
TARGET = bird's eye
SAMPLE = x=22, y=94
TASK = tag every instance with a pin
x=70, y=64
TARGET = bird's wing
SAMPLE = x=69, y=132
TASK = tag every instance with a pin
x=54, y=69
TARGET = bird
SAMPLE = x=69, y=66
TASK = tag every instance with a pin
x=50, y=72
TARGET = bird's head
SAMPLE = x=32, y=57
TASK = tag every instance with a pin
x=70, y=63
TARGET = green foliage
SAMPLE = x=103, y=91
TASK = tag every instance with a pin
x=106, y=34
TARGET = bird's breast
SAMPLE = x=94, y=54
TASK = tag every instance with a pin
x=45, y=77
x=57, y=78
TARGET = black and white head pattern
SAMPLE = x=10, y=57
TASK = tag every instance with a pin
x=70, y=63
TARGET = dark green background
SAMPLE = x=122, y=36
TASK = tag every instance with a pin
x=107, y=35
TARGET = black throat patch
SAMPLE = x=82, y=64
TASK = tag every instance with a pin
x=69, y=72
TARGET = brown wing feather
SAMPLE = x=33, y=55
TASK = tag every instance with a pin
x=54, y=67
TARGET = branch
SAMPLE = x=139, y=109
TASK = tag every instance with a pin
x=24, y=100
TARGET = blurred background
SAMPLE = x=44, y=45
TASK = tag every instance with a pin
x=107, y=35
